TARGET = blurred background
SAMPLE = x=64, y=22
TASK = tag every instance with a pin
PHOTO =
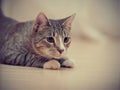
x=95, y=18
x=95, y=46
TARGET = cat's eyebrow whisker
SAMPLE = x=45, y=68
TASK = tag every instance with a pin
x=64, y=34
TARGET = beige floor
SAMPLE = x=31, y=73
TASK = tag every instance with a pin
x=97, y=68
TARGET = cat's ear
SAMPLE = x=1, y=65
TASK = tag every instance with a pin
x=41, y=20
x=67, y=22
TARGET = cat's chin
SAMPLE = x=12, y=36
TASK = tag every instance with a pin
x=55, y=57
x=58, y=56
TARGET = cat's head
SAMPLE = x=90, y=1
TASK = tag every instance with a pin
x=52, y=37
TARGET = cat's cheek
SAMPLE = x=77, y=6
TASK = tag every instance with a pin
x=55, y=54
x=43, y=51
x=52, y=52
x=47, y=53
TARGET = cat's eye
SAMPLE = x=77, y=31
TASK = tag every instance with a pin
x=66, y=39
x=50, y=39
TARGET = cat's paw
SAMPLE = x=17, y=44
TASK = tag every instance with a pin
x=68, y=64
x=52, y=64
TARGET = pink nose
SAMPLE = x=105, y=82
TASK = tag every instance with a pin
x=61, y=51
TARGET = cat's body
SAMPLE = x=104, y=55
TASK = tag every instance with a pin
x=40, y=43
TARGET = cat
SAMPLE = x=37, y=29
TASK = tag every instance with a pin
x=39, y=43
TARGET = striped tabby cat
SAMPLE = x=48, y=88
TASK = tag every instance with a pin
x=39, y=43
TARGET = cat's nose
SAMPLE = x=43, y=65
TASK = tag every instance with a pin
x=61, y=51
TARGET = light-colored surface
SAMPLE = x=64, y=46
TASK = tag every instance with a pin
x=97, y=68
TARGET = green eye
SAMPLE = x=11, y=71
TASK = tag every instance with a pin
x=66, y=39
x=50, y=39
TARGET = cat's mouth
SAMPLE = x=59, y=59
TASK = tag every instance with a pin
x=56, y=55
x=51, y=53
x=46, y=52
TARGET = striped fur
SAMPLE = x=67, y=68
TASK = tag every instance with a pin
x=26, y=43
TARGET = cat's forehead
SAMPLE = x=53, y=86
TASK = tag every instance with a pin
x=56, y=24
x=56, y=29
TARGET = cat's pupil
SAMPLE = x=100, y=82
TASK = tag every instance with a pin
x=66, y=39
x=50, y=39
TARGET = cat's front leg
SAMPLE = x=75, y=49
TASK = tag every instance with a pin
x=51, y=64
x=65, y=62
x=57, y=64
